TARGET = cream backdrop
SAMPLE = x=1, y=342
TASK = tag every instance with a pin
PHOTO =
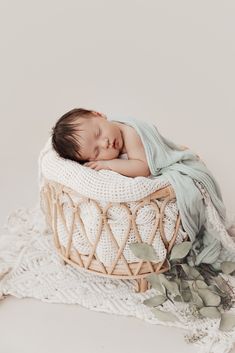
x=168, y=62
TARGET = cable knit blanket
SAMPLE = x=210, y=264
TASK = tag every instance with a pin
x=30, y=267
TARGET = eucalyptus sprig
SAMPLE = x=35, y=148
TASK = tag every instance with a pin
x=202, y=287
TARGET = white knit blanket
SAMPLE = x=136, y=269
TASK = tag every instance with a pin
x=105, y=185
x=30, y=267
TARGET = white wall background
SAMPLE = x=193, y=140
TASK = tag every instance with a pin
x=169, y=62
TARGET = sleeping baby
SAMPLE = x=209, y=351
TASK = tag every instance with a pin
x=88, y=137
x=98, y=142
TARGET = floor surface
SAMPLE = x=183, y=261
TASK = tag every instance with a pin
x=29, y=325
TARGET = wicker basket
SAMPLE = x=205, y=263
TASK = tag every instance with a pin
x=52, y=195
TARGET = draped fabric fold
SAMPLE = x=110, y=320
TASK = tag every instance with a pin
x=183, y=168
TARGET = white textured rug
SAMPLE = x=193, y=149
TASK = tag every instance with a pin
x=30, y=267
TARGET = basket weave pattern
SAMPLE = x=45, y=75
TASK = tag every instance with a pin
x=53, y=196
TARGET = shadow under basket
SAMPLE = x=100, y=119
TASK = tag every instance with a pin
x=52, y=197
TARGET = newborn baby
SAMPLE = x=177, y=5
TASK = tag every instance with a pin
x=87, y=137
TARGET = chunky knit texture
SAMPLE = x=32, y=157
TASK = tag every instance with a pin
x=31, y=268
x=104, y=185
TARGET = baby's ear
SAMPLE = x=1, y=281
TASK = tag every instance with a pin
x=99, y=114
x=95, y=113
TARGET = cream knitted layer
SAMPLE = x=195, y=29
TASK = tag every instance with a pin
x=105, y=185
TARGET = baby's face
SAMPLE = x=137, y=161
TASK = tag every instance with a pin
x=99, y=139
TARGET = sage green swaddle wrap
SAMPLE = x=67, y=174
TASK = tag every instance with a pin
x=181, y=168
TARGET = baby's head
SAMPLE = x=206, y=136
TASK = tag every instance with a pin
x=83, y=135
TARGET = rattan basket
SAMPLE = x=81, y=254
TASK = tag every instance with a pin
x=52, y=196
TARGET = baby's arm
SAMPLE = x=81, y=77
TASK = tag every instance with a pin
x=129, y=167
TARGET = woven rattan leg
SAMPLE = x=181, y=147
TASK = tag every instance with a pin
x=141, y=285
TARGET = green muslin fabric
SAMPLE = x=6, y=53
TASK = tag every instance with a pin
x=181, y=168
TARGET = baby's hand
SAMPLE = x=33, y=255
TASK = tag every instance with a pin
x=97, y=165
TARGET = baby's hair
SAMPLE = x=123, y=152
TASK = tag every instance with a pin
x=63, y=134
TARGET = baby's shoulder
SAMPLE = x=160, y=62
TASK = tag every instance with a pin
x=134, y=146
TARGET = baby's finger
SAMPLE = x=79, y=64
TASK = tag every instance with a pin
x=93, y=166
x=88, y=164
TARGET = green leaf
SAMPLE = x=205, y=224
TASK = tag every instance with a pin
x=178, y=281
x=191, y=272
x=186, y=269
x=211, y=312
x=171, y=286
x=227, y=267
x=184, y=284
x=195, y=274
x=201, y=284
x=186, y=295
x=180, y=250
x=155, y=281
x=178, y=298
x=221, y=286
x=190, y=261
x=227, y=322
x=160, y=282
x=209, y=298
x=144, y=251
x=163, y=315
x=155, y=301
x=215, y=289
x=197, y=300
